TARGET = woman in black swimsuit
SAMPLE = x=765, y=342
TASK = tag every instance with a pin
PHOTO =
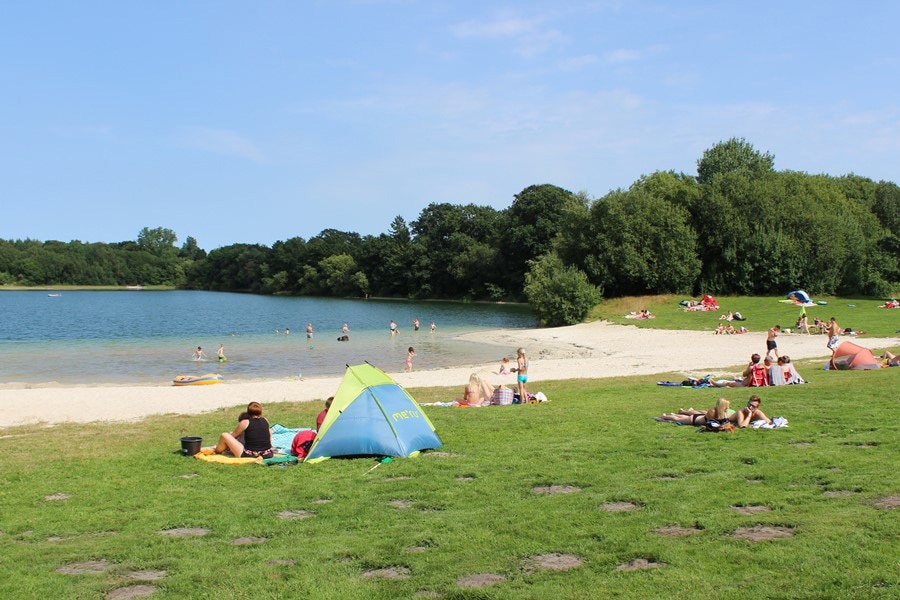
x=251, y=438
x=695, y=417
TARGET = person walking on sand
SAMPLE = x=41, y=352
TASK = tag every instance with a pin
x=833, y=331
x=771, y=344
x=409, y=356
x=522, y=375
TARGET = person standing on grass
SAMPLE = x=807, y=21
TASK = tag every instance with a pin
x=771, y=344
x=522, y=375
x=833, y=331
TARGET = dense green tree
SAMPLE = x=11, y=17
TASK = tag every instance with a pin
x=532, y=222
x=158, y=241
x=642, y=244
x=190, y=250
x=735, y=154
x=559, y=294
x=454, y=251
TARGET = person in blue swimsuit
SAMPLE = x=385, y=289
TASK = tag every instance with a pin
x=522, y=374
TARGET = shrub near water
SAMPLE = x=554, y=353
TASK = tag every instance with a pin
x=480, y=506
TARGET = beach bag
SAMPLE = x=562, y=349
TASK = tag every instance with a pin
x=301, y=443
x=713, y=426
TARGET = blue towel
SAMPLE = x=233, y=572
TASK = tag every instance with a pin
x=283, y=436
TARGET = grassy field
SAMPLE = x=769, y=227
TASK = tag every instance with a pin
x=97, y=497
x=761, y=312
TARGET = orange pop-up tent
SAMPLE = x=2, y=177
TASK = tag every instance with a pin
x=850, y=356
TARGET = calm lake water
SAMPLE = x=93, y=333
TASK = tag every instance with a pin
x=86, y=337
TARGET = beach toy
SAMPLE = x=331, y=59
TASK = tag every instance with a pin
x=208, y=379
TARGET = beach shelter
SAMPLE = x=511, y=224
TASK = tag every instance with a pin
x=849, y=356
x=799, y=296
x=371, y=415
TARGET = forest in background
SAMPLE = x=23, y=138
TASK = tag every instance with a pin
x=736, y=227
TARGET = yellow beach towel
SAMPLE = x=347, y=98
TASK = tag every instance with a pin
x=227, y=460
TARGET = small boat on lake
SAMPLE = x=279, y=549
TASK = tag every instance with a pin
x=208, y=379
x=54, y=295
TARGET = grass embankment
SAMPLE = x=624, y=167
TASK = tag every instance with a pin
x=104, y=492
x=761, y=312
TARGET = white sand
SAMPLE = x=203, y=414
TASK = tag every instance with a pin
x=591, y=350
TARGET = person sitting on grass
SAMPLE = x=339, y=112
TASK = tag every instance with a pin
x=321, y=416
x=720, y=412
x=751, y=413
x=477, y=392
x=251, y=438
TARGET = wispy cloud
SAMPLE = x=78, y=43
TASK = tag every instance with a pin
x=502, y=26
x=576, y=63
x=225, y=142
x=622, y=55
x=531, y=35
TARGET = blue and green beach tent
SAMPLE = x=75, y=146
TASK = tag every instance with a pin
x=371, y=415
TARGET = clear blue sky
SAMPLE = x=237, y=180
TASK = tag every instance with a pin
x=260, y=121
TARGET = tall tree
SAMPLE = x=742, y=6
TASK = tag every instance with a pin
x=534, y=219
x=157, y=241
x=732, y=155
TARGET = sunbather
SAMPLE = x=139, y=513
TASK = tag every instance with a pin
x=695, y=417
x=751, y=413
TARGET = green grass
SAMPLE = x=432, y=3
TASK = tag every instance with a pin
x=860, y=314
x=473, y=511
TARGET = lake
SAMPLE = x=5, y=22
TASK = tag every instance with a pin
x=141, y=337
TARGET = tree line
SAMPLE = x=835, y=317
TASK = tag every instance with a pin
x=736, y=227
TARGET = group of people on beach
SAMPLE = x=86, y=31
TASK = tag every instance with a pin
x=252, y=437
x=480, y=392
x=393, y=329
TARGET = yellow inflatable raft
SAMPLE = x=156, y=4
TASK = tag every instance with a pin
x=208, y=379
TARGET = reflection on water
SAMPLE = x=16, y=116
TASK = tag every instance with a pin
x=149, y=337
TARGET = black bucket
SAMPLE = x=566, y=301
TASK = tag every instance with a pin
x=190, y=445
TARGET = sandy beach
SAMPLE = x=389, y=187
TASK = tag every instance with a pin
x=590, y=350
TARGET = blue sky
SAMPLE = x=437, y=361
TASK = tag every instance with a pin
x=260, y=121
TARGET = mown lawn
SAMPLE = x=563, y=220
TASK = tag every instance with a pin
x=829, y=484
x=761, y=312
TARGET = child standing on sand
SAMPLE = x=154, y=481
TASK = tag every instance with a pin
x=409, y=356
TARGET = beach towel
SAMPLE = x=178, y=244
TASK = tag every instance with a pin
x=224, y=459
x=777, y=423
x=282, y=437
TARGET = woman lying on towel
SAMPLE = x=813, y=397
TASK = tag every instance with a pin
x=251, y=438
x=721, y=412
